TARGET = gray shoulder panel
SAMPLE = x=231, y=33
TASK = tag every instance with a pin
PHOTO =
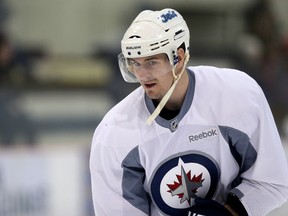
x=133, y=180
x=241, y=149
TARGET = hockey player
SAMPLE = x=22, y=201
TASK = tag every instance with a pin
x=190, y=140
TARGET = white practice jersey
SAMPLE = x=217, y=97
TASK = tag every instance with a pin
x=224, y=140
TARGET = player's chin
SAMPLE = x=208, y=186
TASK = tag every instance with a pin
x=152, y=95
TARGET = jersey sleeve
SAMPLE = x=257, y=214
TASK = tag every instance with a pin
x=133, y=182
x=264, y=185
x=106, y=172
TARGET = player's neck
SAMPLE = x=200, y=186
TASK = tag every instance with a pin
x=177, y=98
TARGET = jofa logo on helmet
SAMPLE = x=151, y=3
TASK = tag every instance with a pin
x=168, y=16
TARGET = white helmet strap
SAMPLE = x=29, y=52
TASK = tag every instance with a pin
x=166, y=97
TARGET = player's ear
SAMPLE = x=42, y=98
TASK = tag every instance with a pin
x=181, y=57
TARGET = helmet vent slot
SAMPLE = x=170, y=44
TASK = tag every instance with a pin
x=165, y=44
x=155, y=48
x=134, y=36
x=154, y=44
x=179, y=34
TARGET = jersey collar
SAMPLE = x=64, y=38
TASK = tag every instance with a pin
x=172, y=124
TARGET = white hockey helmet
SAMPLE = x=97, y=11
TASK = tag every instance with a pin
x=151, y=33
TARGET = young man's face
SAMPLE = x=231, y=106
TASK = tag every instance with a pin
x=154, y=74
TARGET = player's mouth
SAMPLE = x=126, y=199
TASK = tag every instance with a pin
x=149, y=85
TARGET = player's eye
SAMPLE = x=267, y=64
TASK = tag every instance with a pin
x=135, y=64
x=151, y=63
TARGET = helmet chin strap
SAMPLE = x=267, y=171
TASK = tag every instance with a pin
x=166, y=97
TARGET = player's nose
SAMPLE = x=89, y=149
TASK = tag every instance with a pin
x=143, y=74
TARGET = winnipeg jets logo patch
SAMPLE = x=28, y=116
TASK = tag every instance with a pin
x=179, y=180
x=185, y=188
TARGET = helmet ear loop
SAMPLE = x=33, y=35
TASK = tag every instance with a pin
x=186, y=60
